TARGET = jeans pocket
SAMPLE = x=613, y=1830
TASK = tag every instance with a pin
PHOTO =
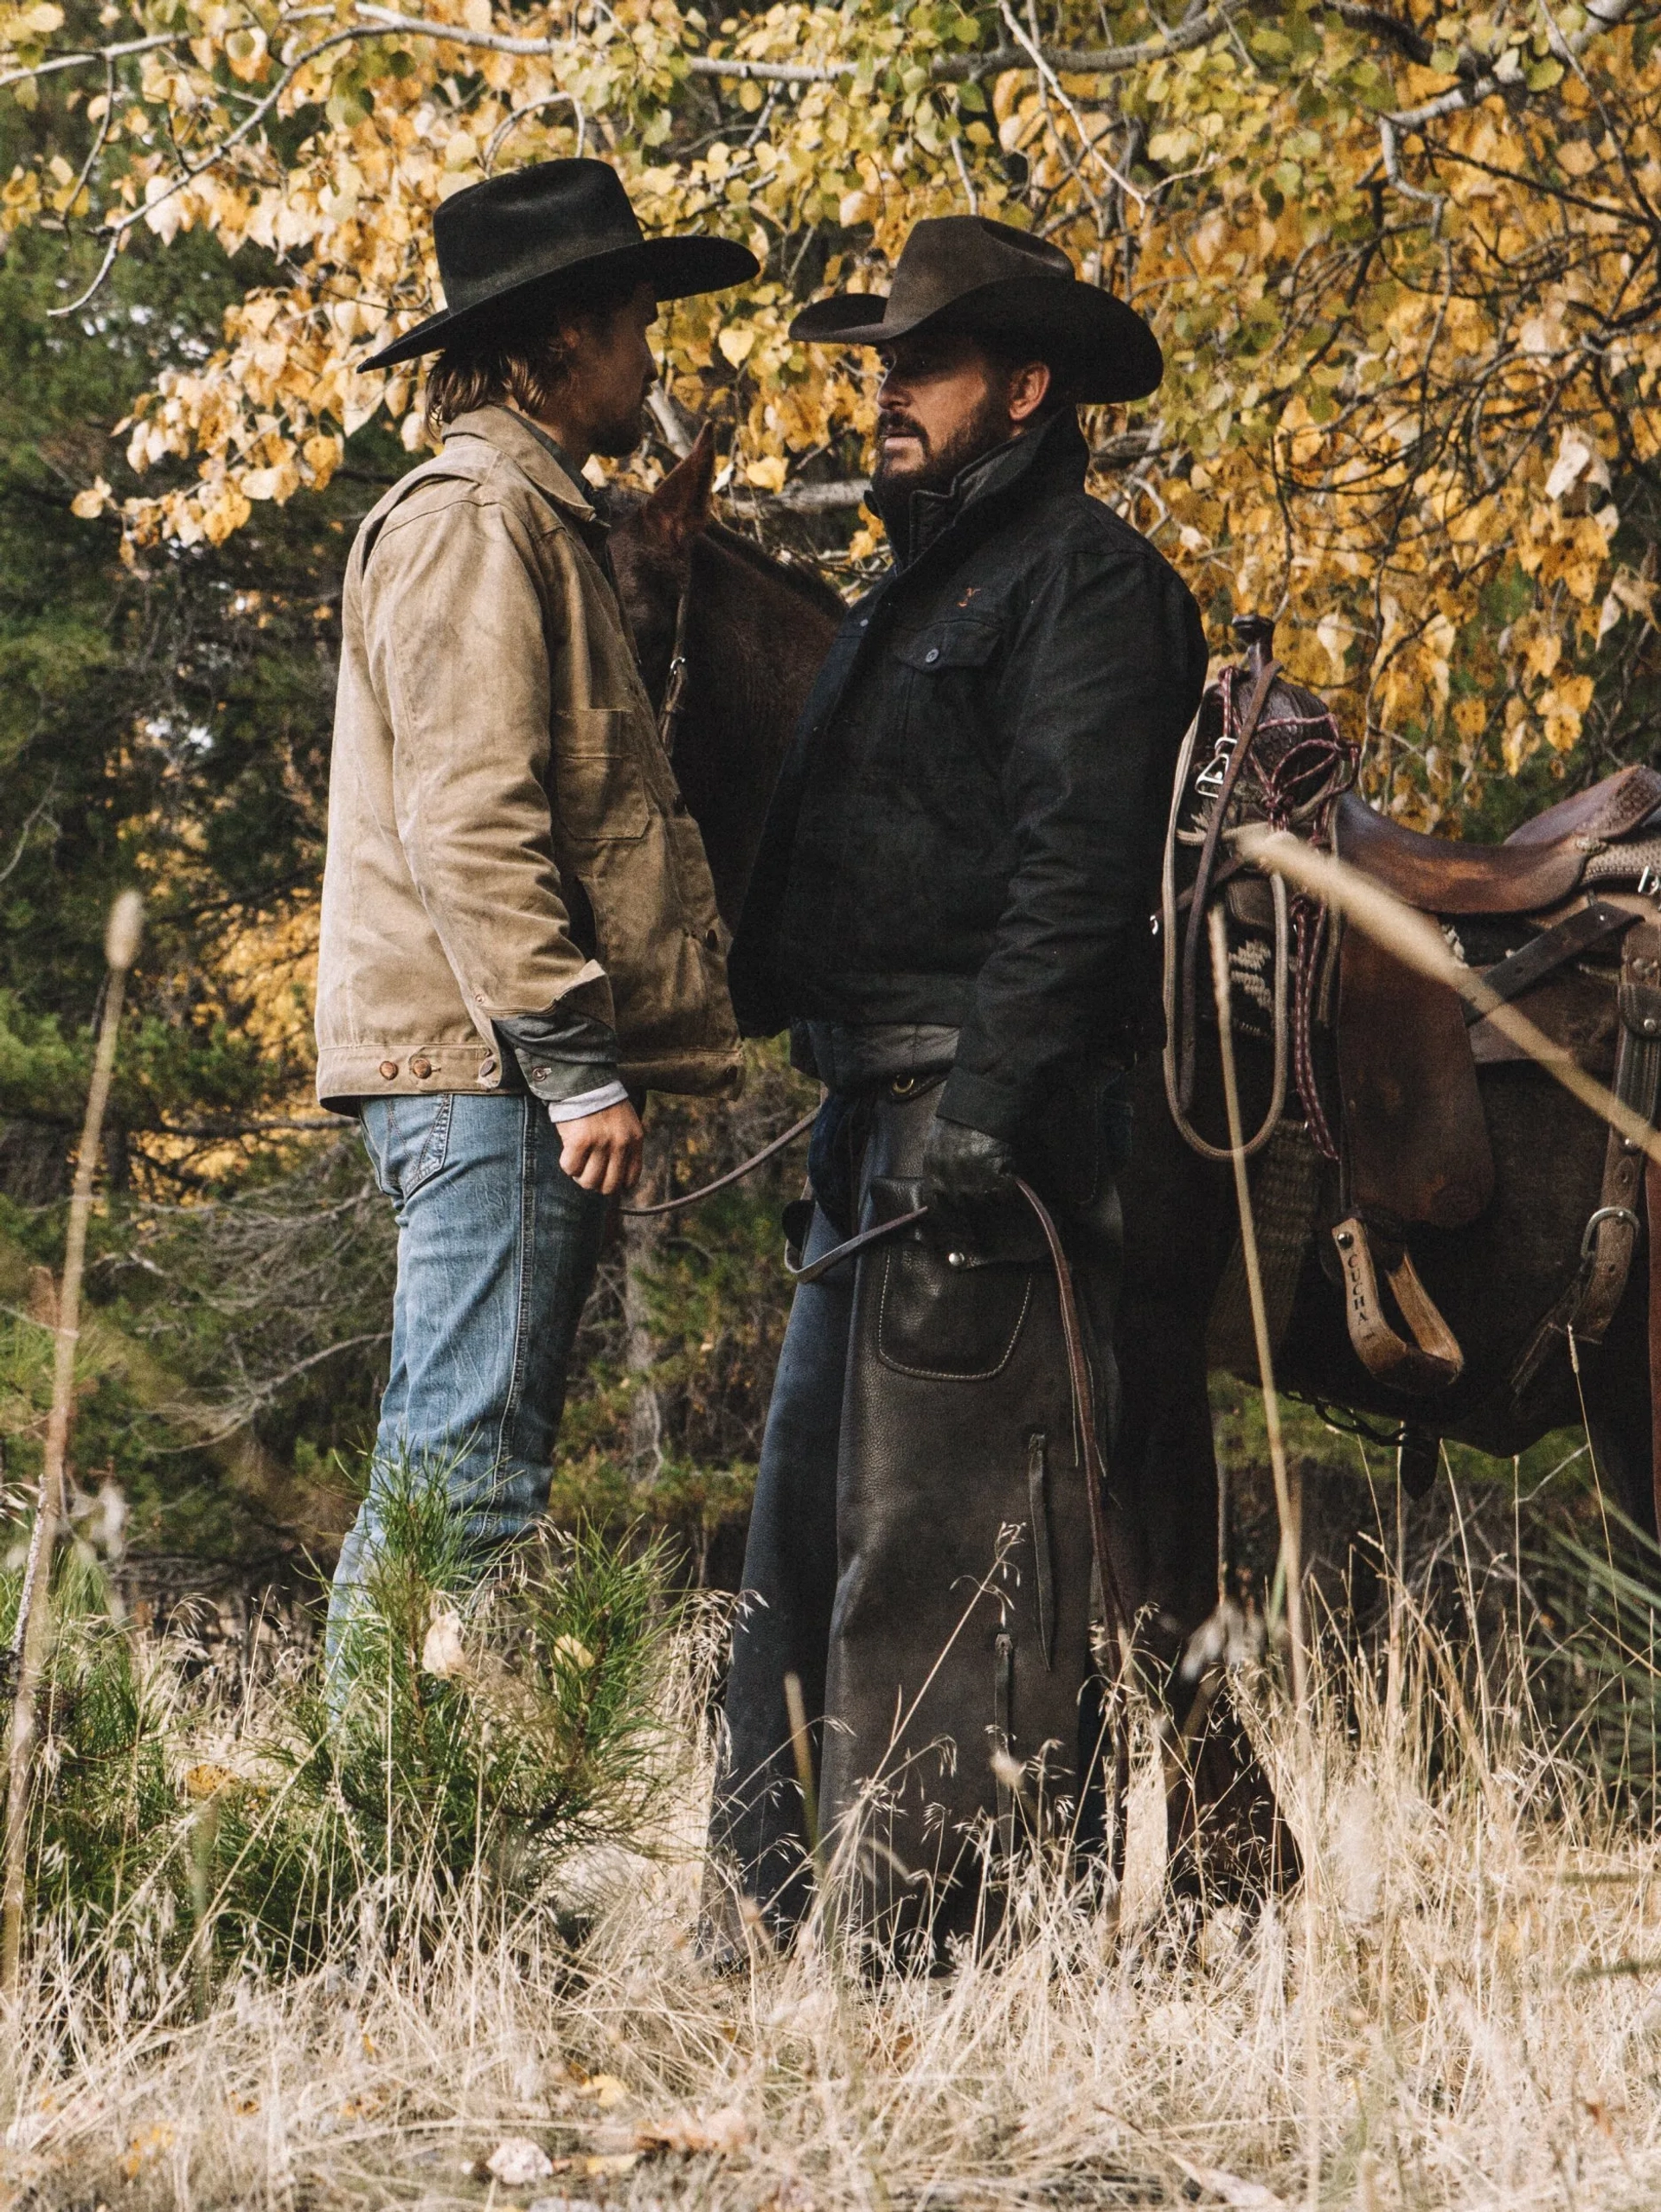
x=435, y=1144
x=374, y=1127
x=408, y=1141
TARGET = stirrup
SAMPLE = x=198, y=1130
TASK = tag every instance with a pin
x=1434, y=1360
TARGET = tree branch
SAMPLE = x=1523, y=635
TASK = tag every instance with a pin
x=945, y=68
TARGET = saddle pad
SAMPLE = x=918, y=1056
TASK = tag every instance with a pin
x=1415, y=1142
x=1284, y=1184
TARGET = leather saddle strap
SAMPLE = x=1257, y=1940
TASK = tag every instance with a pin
x=1433, y=1361
x=1202, y=880
x=1610, y=1244
x=1553, y=948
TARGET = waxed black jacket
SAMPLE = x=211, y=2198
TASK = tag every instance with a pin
x=968, y=824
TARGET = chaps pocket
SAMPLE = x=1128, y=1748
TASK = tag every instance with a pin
x=949, y=1324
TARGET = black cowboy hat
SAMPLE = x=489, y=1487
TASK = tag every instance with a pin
x=964, y=272
x=506, y=238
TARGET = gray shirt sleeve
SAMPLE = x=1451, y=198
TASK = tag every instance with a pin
x=562, y=1054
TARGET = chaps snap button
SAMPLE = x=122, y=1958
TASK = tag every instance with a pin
x=933, y=654
x=388, y=1069
x=957, y=1260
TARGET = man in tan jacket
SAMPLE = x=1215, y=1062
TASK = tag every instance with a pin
x=519, y=935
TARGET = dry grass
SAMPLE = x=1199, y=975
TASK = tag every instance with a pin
x=1486, y=1983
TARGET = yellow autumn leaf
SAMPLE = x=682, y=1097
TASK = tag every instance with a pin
x=737, y=342
x=606, y=2091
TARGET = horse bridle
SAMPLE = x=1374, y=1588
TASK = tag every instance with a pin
x=675, y=684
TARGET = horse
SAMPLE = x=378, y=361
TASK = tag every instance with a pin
x=749, y=632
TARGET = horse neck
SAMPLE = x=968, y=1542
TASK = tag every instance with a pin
x=754, y=637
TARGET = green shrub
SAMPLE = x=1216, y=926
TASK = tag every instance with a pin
x=474, y=1736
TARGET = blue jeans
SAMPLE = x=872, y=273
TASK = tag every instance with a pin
x=496, y=1253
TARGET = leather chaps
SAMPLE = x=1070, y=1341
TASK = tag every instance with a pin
x=960, y=1714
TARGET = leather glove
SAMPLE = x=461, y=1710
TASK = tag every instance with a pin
x=966, y=1174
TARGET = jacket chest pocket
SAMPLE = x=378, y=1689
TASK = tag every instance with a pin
x=599, y=788
x=940, y=648
x=943, y=680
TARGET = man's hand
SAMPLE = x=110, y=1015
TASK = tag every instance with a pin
x=602, y=1150
x=965, y=1172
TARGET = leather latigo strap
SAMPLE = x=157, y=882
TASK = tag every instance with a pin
x=1588, y=1306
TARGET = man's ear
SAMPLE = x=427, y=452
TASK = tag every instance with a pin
x=1028, y=388
x=679, y=508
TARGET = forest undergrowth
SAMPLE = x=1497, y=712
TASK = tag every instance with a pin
x=444, y=1953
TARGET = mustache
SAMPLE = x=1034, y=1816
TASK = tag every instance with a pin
x=891, y=422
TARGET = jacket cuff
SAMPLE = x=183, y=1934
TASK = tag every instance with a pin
x=981, y=1104
x=562, y=1054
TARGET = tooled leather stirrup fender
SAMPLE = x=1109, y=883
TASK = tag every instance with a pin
x=1434, y=1360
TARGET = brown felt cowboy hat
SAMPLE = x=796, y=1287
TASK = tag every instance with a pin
x=964, y=272
x=501, y=242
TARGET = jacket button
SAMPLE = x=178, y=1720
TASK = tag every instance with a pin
x=539, y=1075
x=388, y=1069
x=422, y=1066
x=486, y=1069
x=933, y=654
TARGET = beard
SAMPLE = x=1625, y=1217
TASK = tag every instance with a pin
x=615, y=439
x=979, y=433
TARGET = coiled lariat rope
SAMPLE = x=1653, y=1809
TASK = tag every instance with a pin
x=1295, y=788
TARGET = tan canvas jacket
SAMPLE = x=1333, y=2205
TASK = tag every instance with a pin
x=504, y=828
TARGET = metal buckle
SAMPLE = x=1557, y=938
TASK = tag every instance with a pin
x=1607, y=1214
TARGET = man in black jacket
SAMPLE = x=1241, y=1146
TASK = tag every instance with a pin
x=950, y=909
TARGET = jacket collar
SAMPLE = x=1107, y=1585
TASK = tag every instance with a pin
x=1052, y=459
x=531, y=450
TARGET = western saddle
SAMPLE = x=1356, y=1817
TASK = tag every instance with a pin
x=1411, y=1142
